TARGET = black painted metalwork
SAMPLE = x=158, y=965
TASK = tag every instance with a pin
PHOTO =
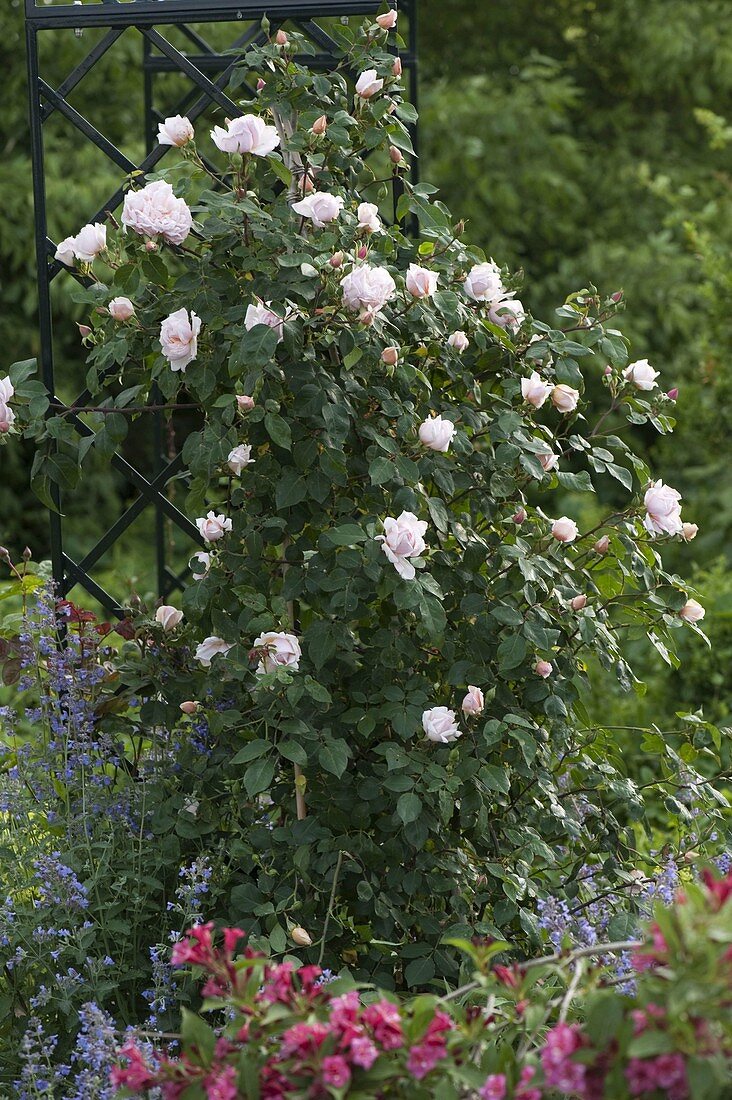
x=208, y=71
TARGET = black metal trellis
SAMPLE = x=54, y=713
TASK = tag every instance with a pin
x=208, y=70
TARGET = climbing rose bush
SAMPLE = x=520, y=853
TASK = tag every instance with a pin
x=546, y=1028
x=401, y=487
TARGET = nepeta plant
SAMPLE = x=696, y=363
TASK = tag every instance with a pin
x=389, y=628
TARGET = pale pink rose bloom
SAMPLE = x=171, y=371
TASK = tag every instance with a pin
x=280, y=651
x=321, y=207
x=239, y=458
x=6, y=389
x=121, y=309
x=458, y=340
x=663, y=511
x=156, y=212
x=388, y=20
x=7, y=417
x=90, y=241
x=203, y=559
x=176, y=130
x=440, y=724
x=209, y=647
x=213, y=527
x=535, y=390
x=244, y=401
x=368, y=84
x=261, y=314
x=549, y=462
x=367, y=289
x=543, y=669
x=578, y=602
x=179, y=338
x=168, y=617
x=689, y=531
x=642, y=375
x=508, y=313
x=368, y=217
x=474, y=702
x=564, y=529
x=404, y=539
x=190, y=706
x=248, y=134
x=66, y=252
x=602, y=545
x=390, y=356
x=565, y=398
x=421, y=282
x=436, y=433
x=692, y=612
x=483, y=283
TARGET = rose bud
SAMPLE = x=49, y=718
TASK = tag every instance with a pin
x=168, y=617
x=150, y=246
x=84, y=331
x=363, y=252
x=564, y=529
x=244, y=402
x=121, y=309
x=336, y=259
x=367, y=318
x=189, y=707
x=608, y=371
x=388, y=20
x=520, y=516
x=397, y=67
x=673, y=393
x=689, y=532
x=602, y=545
x=395, y=155
x=260, y=84
x=578, y=602
x=474, y=702
x=281, y=38
x=543, y=669
x=390, y=356
x=300, y=937
x=320, y=125
x=617, y=296
x=692, y=612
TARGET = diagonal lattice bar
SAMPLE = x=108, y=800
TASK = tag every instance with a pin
x=77, y=75
x=85, y=127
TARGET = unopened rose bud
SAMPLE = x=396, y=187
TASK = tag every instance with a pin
x=608, y=371
x=300, y=937
x=367, y=317
x=27, y=553
x=520, y=516
x=617, y=296
x=602, y=545
x=363, y=252
x=260, y=84
x=306, y=183
x=150, y=246
x=390, y=356
x=244, y=402
x=388, y=20
x=336, y=259
x=320, y=125
x=459, y=228
x=4, y=553
x=673, y=393
x=397, y=67
x=690, y=531
x=281, y=38
x=84, y=331
x=578, y=602
x=395, y=155
x=189, y=707
x=543, y=669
